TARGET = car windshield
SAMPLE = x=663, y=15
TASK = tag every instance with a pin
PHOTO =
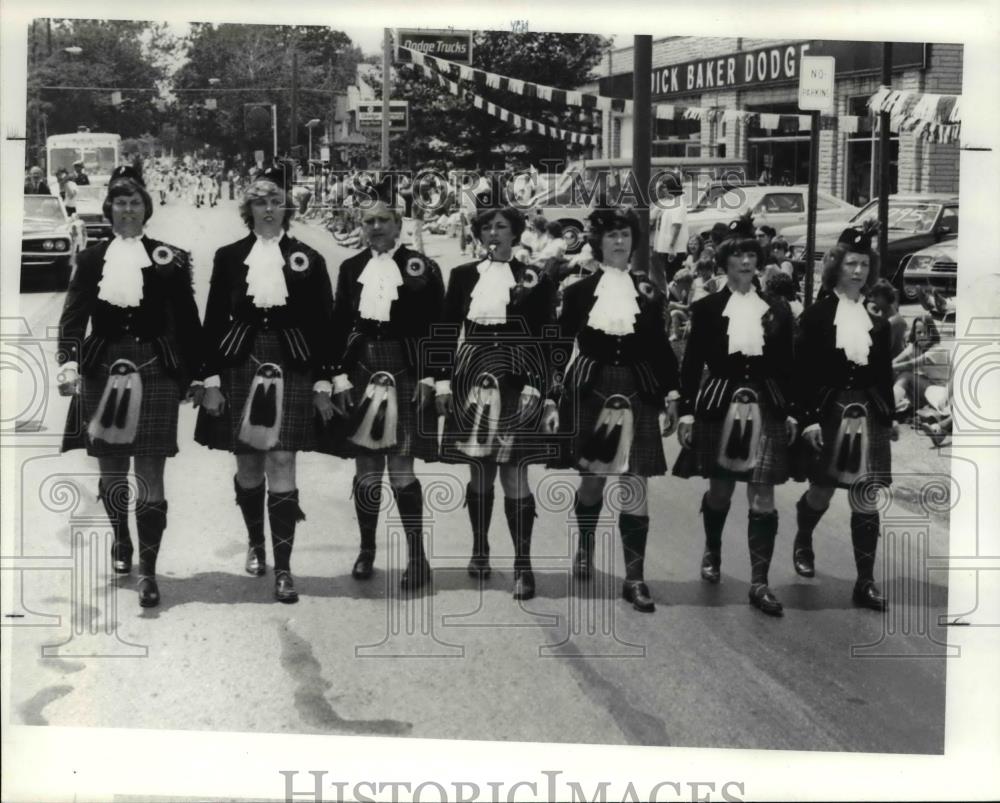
x=715, y=197
x=43, y=209
x=912, y=217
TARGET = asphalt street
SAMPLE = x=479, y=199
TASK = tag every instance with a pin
x=464, y=661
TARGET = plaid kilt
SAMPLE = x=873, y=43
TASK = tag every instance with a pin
x=416, y=434
x=526, y=443
x=157, y=432
x=578, y=416
x=807, y=464
x=701, y=460
x=297, y=433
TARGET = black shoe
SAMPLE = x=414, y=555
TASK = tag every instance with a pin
x=637, y=592
x=479, y=566
x=284, y=587
x=710, y=563
x=524, y=584
x=149, y=592
x=763, y=598
x=256, y=562
x=867, y=595
x=121, y=557
x=583, y=566
x=802, y=560
x=364, y=566
x=415, y=575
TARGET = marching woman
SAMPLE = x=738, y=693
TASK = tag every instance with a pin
x=624, y=375
x=388, y=298
x=500, y=307
x=843, y=371
x=267, y=366
x=736, y=424
x=129, y=374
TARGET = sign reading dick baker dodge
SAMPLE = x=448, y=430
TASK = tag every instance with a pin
x=451, y=45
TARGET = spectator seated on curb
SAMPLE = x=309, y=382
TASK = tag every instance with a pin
x=679, y=302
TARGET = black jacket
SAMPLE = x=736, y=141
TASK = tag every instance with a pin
x=708, y=346
x=41, y=189
x=821, y=368
x=412, y=315
x=522, y=344
x=167, y=315
x=303, y=323
x=647, y=350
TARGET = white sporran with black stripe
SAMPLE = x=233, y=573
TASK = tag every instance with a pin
x=739, y=447
x=260, y=423
x=482, y=408
x=849, y=459
x=377, y=416
x=116, y=419
x=607, y=449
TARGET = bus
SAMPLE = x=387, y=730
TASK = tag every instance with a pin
x=100, y=154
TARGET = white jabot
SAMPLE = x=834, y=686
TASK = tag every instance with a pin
x=616, y=307
x=853, y=325
x=266, y=276
x=746, y=327
x=121, y=280
x=491, y=294
x=380, y=281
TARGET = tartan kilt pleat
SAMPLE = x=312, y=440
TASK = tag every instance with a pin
x=701, y=460
x=156, y=435
x=297, y=432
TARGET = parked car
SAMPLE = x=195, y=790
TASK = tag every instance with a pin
x=90, y=209
x=915, y=222
x=934, y=268
x=49, y=241
x=775, y=206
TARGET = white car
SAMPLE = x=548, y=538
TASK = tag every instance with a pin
x=778, y=207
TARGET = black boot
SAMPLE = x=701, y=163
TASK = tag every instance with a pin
x=586, y=520
x=251, y=504
x=521, y=521
x=714, y=522
x=633, y=531
x=864, y=538
x=480, y=512
x=367, y=501
x=284, y=512
x=410, y=501
x=150, y=521
x=761, y=531
x=807, y=518
x=114, y=497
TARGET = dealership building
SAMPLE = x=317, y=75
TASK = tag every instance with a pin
x=762, y=76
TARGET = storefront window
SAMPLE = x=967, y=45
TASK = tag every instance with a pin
x=861, y=164
x=780, y=155
x=676, y=138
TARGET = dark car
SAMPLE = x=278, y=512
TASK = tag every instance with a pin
x=915, y=221
x=49, y=241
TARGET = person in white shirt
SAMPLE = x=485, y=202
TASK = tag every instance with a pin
x=670, y=242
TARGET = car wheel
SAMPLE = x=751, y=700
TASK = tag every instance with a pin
x=573, y=235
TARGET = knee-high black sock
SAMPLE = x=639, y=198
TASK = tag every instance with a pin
x=586, y=521
x=150, y=521
x=714, y=522
x=410, y=501
x=762, y=528
x=864, y=538
x=114, y=497
x=806, y=519
x=634, y=530
x=367, y=501
x=284, y=512
x=251, y=504
x=480, y=512
x=520, y=515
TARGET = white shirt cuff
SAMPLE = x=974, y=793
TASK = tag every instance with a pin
x=686, y=419
x=530, y=391
x=442, y=387
x=428, y=380
x=214, y=381
x=673, y=396
x=810, y=428
x=341, y=383
x=71, y=365
x=322, y=386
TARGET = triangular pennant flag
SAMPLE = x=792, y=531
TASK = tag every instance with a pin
x=769, y=122
x=805, y=122
x=664, y=112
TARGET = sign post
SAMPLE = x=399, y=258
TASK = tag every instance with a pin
x=816, y=94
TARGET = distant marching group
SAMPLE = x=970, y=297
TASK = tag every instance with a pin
x=393, y=365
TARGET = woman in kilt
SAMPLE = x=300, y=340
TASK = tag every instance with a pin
x=624, y=375
x=844, y=383
x=128, y=376
x=267, y=361
x=499, y=307
x=736, y=424
x=388, y=297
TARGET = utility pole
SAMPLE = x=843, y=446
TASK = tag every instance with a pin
x=885, y=175
x=642, y=148
x=293, y=138
x=386, y=94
